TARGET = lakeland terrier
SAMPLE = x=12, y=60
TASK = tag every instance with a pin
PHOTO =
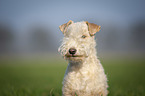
x=84, y=75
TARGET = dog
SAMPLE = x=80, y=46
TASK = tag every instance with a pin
x=84, y=75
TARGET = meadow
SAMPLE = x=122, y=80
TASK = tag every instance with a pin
x=126, y=77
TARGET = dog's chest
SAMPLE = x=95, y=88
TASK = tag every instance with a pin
x=85, y=79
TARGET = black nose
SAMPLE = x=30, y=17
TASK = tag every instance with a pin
x=72, y=51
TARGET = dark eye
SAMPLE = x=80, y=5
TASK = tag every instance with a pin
x=84, y=36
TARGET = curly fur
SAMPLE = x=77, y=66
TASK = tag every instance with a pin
x=84, y=75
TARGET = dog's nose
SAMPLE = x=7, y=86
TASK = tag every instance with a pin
x=72, y=51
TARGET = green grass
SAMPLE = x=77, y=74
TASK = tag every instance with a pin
x=44, y=77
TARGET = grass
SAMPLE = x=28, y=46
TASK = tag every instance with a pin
x=44, y=77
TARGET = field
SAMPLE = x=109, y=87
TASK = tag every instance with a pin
x=43, y=77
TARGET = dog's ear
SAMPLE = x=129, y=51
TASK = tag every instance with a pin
x=63, y=27
x=93, y=28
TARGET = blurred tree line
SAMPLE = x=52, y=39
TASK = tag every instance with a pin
x=41, y=39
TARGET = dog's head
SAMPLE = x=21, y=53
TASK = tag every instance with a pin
x=78, y=42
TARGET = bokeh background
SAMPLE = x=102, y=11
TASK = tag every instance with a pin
x=29, y=37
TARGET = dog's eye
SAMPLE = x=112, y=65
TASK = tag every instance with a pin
x=84, y=36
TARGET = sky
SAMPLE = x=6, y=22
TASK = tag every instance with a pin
x=60, y=11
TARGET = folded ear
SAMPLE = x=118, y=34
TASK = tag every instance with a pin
x=93, y=28
x=63, y=27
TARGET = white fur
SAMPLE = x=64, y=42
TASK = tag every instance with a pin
x=84, y=75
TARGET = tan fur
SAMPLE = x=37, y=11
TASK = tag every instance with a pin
x=84, y=75
x=93, y=28
x=63, y=27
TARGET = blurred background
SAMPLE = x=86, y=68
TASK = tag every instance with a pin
x=30, y=35
x=28, y=27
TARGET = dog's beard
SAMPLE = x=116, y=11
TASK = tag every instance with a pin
x=75, y=59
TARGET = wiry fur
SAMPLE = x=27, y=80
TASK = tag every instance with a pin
x=84, y=75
